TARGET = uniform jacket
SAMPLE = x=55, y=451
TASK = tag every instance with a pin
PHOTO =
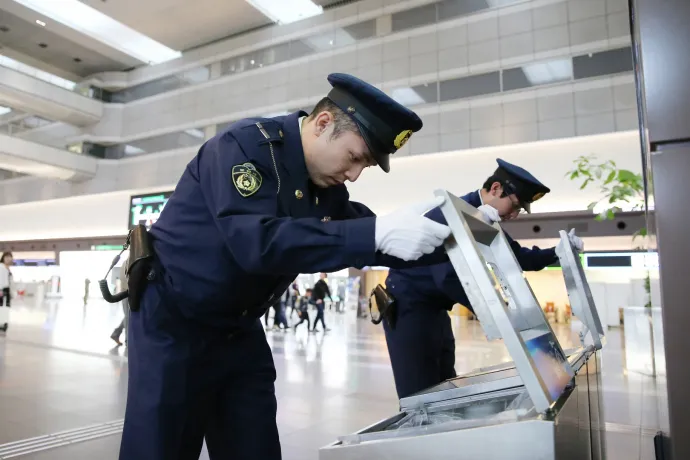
x=245, y=220
x=438, y=285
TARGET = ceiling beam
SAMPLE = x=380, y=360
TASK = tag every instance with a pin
x=547, y=225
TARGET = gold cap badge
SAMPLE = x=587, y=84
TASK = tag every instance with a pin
x=401, y=139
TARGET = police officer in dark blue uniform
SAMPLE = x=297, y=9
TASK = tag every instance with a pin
x=421, y=345
x=261, y=202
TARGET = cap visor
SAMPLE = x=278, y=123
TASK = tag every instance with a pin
x=382, y=159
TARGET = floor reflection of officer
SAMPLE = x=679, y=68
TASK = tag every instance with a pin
x=422, y=346
x=261, y=202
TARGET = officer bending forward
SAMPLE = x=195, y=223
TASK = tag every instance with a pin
x=422, y=345
x=261, y=202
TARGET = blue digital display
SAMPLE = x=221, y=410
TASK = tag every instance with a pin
x=551, y=363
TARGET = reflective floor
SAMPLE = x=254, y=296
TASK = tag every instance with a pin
x=63, y=386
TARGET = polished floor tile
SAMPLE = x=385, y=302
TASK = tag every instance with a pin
x=60, y=371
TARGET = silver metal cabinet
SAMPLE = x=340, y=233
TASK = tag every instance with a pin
x=543, y=405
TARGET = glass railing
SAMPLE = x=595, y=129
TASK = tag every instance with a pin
x=15, y=128
x=37, y=73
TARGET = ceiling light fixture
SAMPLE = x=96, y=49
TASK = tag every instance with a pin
x=407, y=96
x=4, y=110
x=543, y=73
x=287, y=11
x=40, y=23
x=93, y=23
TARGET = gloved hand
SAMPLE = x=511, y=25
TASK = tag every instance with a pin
x=490, y=214
x=407, y=234
x=576, y=241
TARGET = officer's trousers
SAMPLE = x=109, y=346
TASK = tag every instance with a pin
x=188, y=382
x=421, y=347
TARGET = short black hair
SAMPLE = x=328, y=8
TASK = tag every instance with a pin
x=342, y=122
x=490, y=181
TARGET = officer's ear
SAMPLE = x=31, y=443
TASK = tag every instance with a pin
x=496, y=189
x=322, y=121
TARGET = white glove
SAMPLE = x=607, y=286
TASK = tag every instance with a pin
x=407, y=234
x=576, y=241
x=490, y=214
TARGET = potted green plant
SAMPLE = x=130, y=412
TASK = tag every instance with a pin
x=619, y=188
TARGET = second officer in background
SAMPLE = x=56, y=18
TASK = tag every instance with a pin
x=421, y=345
x=261, y=202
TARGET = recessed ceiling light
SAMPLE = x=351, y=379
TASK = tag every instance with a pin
x=99, y=26
x=40, y=23
x=287, y=11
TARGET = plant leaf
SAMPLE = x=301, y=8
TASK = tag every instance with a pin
x=612, y=175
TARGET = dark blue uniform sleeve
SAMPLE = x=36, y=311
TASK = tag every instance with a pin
x=355, y=210
x=259, y=241
x=446, y=278
x=535, y=259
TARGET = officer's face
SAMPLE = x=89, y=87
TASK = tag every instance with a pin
x=508, y=207
x=333, y=160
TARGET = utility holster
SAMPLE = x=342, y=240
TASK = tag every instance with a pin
x=137, y=269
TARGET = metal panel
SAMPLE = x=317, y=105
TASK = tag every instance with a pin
x=548, y=225
x=518, y=319
x=664, y=36
x=579, y=294
x=527, y=440
x=596, y=407
x=670, y=167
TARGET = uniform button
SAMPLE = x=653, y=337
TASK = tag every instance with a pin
x=298, y=194
x=280, y=133
x=317, y=201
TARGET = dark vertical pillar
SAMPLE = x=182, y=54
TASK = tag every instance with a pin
x=662, y=62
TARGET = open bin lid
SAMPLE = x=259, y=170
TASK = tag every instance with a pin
x=581, y=300
x=504, y=302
